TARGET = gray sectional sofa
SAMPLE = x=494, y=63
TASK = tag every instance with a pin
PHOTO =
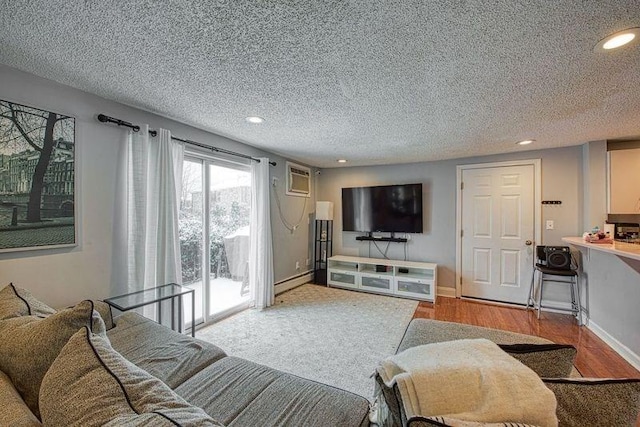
x=77, y=367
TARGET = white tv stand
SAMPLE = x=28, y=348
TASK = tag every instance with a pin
x=357, y=273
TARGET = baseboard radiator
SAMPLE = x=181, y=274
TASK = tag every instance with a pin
x=293, y=282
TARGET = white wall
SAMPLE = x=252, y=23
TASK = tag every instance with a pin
x=561, y=180
x=64, y=276
x=594, y=171
x=625, y=175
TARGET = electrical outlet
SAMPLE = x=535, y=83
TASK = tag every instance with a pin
x=550, y=224
x=297, y=265
x=307, y=262
x=274, y=180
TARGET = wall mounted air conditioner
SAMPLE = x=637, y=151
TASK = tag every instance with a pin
x=298, y=180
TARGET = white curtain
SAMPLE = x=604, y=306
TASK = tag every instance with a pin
x=260, y=247
x=154, y=179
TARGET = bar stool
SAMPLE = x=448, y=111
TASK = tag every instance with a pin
x=545, y=274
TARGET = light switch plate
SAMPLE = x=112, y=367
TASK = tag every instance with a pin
x=550, y=224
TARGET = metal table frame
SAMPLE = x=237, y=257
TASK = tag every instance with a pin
x=178, y=292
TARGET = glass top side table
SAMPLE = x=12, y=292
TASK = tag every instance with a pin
x=155, y=295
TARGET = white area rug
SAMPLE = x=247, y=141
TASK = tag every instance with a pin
x=328, y=335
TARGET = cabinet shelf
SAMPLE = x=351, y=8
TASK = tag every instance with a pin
x=343, y=267
x=371, y=269
x=414, y=276
x=377, y=273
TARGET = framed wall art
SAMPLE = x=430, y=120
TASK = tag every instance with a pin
x=37, y=178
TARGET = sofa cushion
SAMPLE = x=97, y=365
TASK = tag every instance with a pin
x=427, y=331
x=603, y=402
x=30, y=344
x=546, y=360
x=13, y=411
x=90, y=384
x=241, y=393
x=170, y=356
x=15, y=301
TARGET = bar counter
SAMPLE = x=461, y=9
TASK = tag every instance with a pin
x=623, y=249
x=610, y=279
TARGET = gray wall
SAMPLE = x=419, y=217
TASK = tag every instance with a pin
x=612, y=294
x=561, y=180
x=90, y=270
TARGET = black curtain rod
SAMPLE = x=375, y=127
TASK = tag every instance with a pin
x=106, y=119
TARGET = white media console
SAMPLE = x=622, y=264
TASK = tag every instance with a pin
x=407, y=279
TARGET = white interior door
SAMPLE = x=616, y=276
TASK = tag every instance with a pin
x=497, y=224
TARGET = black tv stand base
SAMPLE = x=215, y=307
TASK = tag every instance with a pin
x=382, y=239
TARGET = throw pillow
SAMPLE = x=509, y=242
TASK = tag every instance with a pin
x=15, y=302
x=30, y=344
x=546, y=360
x=105, y=312
x=91, y=384
x=603, y=402
x=13, y=411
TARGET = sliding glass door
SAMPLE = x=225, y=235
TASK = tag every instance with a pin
x=229, y=209
x=214, y=226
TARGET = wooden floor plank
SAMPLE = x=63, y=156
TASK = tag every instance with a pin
x=594, y=358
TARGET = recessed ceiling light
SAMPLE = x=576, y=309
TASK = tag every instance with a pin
x=525, y=142
x=619, y=39
x=342, y=161
x=254, y=119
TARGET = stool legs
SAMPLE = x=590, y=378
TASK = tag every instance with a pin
x=540, y=286
x=537, y=287
x=531, y=301
x=578, y=301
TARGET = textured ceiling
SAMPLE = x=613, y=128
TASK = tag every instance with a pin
x=371, y=81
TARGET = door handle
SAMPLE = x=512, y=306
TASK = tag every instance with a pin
x=528, y=243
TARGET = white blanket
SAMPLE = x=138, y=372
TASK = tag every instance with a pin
x=471, y=380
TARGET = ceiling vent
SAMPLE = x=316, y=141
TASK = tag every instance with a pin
x=298, y=180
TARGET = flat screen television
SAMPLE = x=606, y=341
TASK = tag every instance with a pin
x=386, y=208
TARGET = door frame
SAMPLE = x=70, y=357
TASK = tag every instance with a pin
x=537, y=206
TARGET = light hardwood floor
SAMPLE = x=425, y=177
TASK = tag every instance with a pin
x=594, y=358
